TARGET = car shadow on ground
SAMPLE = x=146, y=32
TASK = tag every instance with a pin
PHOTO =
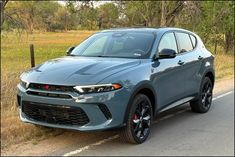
x=161, y=123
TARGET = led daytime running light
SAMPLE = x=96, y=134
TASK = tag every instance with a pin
x=97, y=88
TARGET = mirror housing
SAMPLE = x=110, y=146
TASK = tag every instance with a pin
x=69, y=50
x=166, y=53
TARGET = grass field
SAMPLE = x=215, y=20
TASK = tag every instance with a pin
x=15, y=60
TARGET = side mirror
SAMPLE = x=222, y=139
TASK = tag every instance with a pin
x=69, y=50
x=166, y=53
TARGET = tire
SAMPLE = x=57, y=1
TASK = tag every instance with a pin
x=203, y=103
x=139, y=120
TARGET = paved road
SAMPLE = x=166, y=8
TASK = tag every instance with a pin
x=175, y=132
x=178, y=132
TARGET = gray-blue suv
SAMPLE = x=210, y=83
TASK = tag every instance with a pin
x=119, y=78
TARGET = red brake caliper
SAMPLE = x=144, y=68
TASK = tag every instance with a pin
x=135, y=117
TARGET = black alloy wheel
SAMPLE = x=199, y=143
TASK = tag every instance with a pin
x=139, y=120
x=203, y=103
x=206, y=95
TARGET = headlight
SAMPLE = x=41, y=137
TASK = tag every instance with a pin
x=24, y=84
x=97, y=88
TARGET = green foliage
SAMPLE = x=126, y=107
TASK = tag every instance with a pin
x=212, y=20
x=217, y=23
x=87, y=15
x=31, y=15
x=142, y=13
x=107, y=15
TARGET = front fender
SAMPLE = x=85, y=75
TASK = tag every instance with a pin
x=141, y=85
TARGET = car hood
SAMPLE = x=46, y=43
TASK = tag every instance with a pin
x=73, y=70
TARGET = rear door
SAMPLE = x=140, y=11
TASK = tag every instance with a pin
x=192, y=62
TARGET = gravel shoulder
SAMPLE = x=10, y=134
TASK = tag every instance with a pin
x=223, y=85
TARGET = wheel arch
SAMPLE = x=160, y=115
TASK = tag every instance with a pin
x=210, y=74
x=207, y=73
x=144, y=88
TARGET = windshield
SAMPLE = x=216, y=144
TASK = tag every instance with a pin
x=116, y=44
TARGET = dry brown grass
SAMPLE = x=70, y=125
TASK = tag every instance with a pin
x=15, y=60
x=224, y=66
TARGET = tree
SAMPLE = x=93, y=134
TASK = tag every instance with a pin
x=217, y=23
x=190, y=16
x=170, y=10
x=228, y=26
x=212, y=20
x=46, y=15
x=23, y=13
x=87, y=15
x=3, y=4
x=141, y=13
x=63, y=18
x=107, y=15
x=31, y=15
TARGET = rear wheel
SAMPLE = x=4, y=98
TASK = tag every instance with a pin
x=139, y=120
x=203, y=103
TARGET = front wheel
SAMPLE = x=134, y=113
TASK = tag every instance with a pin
x=203, y=103
x=139, y=120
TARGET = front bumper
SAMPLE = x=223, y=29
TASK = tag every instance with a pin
x=111, y=115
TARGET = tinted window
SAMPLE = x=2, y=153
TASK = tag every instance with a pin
x=184, y=42
x=168, y=42
x=193, y=39
x=116, y=44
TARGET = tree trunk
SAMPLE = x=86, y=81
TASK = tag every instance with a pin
x=228, y=42
x=100, y=23
x=171, y=16
x=168, y=18
x=163, y=14
x=31, y=25
x=66, y=23
x=2, y=12
x=215, y=50
x=2, y=8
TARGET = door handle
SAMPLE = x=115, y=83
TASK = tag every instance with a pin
x=200, y=58
x=180, y=62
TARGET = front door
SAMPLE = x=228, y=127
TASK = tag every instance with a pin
x=168, y=76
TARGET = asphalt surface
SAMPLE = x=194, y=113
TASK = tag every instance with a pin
x=178, y=132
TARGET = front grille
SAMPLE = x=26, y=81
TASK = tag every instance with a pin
x=47, y=87
x=54, y=114
x=53, y=95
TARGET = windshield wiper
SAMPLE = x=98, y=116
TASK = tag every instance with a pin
x=103, y=56
x=71, y=55
x=93, y=56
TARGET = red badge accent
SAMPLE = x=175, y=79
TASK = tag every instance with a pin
x=46, y=87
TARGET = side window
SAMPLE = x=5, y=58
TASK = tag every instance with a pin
x=168, y=42
x=193, y=39
x=185, y=43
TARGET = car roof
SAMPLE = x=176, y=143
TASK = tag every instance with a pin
x=145, y=29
